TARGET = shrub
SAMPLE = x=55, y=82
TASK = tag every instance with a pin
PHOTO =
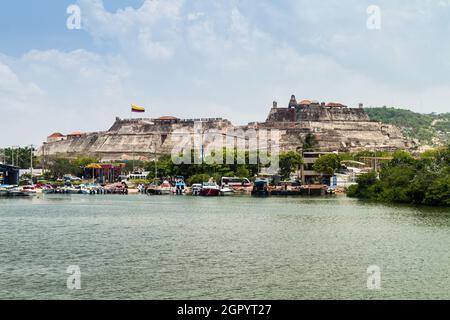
x=198, y=178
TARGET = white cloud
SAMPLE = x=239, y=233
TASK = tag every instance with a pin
x=230, y=59
x=195, y=16
x=150, y=29
x=11, y=86
x=76, y=90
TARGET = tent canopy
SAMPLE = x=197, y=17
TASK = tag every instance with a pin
x=94, y=166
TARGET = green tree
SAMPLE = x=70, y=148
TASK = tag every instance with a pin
x=242, y=171
x=402, y=157
x=198, y=178
x=289, y=162
x=327, y=164
x=61, y=166
x=361, y=190
x=20, y=157
x=404, y=179
x=438, y=194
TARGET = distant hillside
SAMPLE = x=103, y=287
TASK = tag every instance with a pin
x=428, y=128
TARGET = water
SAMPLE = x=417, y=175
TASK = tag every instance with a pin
x=164, y=247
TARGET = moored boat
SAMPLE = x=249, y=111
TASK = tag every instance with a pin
x=30, y=190
x=210, y=189
x=165, y=188
x=4, y=190
x=237, y=184
x=226, y=191
x=195, y=189
x=180, y=186
x=48, y=190
x=13, y=191
x=261, y=188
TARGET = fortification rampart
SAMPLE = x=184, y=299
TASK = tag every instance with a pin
x=335, y=126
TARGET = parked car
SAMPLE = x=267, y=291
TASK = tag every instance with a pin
x=71, y=178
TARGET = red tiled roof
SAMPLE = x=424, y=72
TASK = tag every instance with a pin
x=76, y=133
x=334, y=104
x=56, y=135
x=167, y=118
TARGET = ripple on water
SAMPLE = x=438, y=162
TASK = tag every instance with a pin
x=138, y=247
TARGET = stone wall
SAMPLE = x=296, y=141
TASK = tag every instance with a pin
x=344, y=129
x=318, y=113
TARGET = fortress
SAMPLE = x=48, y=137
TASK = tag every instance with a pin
x=335, y=126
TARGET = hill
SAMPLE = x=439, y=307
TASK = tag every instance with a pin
x=432, y=128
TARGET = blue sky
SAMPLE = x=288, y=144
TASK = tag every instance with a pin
x=199, y=58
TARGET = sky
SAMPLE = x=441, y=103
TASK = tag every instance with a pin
x=213, y=58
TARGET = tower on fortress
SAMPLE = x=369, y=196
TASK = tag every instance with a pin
x=292, y=102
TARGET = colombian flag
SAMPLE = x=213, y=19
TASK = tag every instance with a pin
x=137, y=109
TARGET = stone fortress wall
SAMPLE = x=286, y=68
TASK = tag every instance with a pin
x=335, y=126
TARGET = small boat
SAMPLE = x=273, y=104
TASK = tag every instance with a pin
x=151, y=189
x=180, y=186
x=115, y=188
x=162, y=189
x=196, y=188
x=226, y=191
x=48, y=190
x=30, y=190
x=19, y=192
x=72, y=190
x=210, y=189
x=237, y=184
x=85, y=190
x=165, y=187
x=4, y=189
x=261, y=188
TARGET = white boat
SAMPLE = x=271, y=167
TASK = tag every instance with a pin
x=196, y=187
x=70, y=190
x=210, y=189
x=180, y=187
x=226, y=191
x=165, y=188
x=85, y=191
x=48, y=190
x=237, y=184
x=19, y=192
x=30, y=190
x=4, y=190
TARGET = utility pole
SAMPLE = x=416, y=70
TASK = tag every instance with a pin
x=12, y=156
x=156, y=160
x=133, y=158
x=43, y=157
x=31, y=163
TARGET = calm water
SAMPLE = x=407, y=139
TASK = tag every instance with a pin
x=164, y=247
